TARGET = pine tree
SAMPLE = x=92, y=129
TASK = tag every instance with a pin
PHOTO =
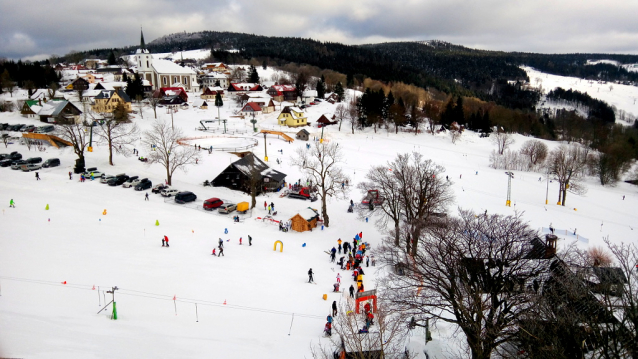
x=111, y=60
x=321, y=87
x=458, y=114
x=253, y=76
x=349, y=81
x=339, y=91
x=264, y=64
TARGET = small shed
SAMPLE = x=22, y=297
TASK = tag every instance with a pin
x=201, y=104
x=305, y=220
x=303, y=135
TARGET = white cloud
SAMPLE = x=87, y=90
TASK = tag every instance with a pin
x=16, y=43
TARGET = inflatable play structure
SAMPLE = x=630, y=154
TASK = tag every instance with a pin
x=363, y=297
x=55, y=141
x=275, y=246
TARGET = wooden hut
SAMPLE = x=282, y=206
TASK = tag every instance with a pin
x=305, y=220
x=303, y=135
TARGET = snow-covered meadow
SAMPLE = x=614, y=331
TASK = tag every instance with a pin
x=181, y=302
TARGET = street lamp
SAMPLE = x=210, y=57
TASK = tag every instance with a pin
x=253, y=121
x=510, y=175
x=547, y=190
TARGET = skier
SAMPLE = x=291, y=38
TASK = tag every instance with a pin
x=334, y=308
x=360, y=235
x=329, y=319
x=351, y=291
x=221, y=252
x=240, y=241
x=166, y=239
x=214, y=251
x=551, y=228
x=339, y=277
x=340, y=263
x=146, y=197
x=12, y=204
x=268, y=209
x=310, y=279
x=70, y=175
x=272, y=206
x=367, y=261
x=265, y=205
x=339, y=242
x=221, y=243
x=250, y=240
x=37, y=176
x=328, y=329
x=623, y=197
x=351, y=203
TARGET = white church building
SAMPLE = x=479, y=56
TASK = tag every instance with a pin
x=162, y=73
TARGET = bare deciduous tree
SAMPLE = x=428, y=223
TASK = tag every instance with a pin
x=536, y=151
x=383, y=179
x=5, y=139
x=387, y=335
x=566, y=164
x=118, y=132
x=78, y=136
x=341, y=112
x=166, y=150
x=465, y=272
x=154, y=101
x=455, y=132
x=502, y=140
x=322, y=164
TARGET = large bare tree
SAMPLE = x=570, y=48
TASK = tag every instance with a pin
x=166, y=150
x=502, y=140
x=566, y=164
x=118, y=132
x=322, y=165
x=465, y=272
x=391, y=209
x=536, y=151
x=78, y=136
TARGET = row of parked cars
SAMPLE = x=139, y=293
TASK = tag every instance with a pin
x=139, y=184
x=15, y=161
x=26, y=128
x=210, y=204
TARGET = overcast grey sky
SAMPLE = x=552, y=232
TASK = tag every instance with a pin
x=39, y=28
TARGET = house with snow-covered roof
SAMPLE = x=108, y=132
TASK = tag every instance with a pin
x=59, y=111
x=292, y=117
x=163, y=73
x=244, y=87
x=211, y=92
x=216, y=79
x=238, y=175
x=251, y=108
x=282, y=93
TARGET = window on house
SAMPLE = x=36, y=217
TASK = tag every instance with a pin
x=164, y=80
x=147, y=63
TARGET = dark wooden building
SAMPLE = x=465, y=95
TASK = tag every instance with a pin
x=303, y=135
x=237, y=175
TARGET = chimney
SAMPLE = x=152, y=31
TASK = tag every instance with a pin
x=550, y=245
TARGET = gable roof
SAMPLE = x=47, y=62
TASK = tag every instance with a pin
x=170, y=68
x=253, y=106
x=107, y=94
x=54, y=108
x=303, y=130
x=249, y=163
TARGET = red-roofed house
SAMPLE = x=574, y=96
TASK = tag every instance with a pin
x=324, y=121
x=211, y=93
x=281, y=93
x=244, y=87
x=171, y=91
x=251, y=108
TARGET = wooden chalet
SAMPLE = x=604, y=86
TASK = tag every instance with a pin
x=305, y=220
x=31, y=108
x=237, y=176
x=107, y=100
x=59, y=112
x=210, y=93
x=201, y=104
x=78, y=84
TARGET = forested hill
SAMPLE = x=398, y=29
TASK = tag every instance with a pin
x=450, y=68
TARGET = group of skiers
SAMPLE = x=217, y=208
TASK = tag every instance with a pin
x=219, y=251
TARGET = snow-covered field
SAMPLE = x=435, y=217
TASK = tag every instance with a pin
x=623, y=97
x=181, y=302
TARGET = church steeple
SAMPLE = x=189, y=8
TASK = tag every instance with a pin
x=142, y=43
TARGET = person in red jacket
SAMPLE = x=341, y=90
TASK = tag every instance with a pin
x=165, y=240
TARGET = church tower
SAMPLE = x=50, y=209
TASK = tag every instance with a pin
x=144, y=61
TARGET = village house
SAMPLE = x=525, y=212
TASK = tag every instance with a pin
x=215, y=67
x=77, y=84
x=31, y=108
x=250, y=109
x=107, y=100
x=202, y=104
x=292, y=117
x=59, y=111
x=215, y=79
x=171, y=95
x=239, y=174
x=324, y=121
x=282, y=93
x=303, y=135
x=244, y=87
x=211, y=92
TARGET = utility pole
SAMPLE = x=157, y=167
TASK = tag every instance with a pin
x=510, y=175
x=265, y=148
x=547, y=190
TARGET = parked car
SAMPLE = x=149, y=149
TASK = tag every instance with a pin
x=24, y=128
x=159, y=187
x=51, y=162
x=15, y=156
x=30, y=128
x=131, y=182
x=169, y=192
x=34, y=160
x=106, y=178
x=144, y=184
x=3, y=126
x=184, y=197
x=4, y=156
x=15, y=127
x=212, y=203
x=45, y=129
x=31, y=167
x=17, y=164
x=227, y=208
x=6, y=162
x=118, y=180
